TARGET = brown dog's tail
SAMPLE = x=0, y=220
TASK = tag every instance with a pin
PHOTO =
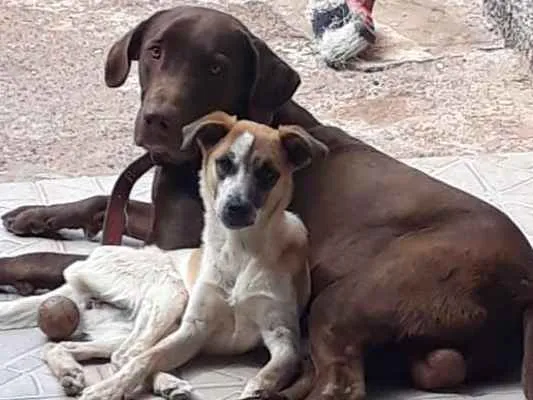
x=527, y=362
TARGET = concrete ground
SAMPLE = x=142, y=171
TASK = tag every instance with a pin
x=438, y=91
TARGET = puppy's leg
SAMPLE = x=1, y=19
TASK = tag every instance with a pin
x=171, y=352
x=120, y=356
x=160, y=312
x=281, y=335
x=62, y=359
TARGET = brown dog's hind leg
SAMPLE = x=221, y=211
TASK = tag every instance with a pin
x=300, y=388
x=337, y=336
x=36, y=270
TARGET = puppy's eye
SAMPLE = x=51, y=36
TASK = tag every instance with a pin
x=224, y=166
x=155, y=52
x=266, y=176
x=215, y=69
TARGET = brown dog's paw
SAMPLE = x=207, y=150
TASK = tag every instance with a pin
x=24, y=288
x=46, y=221
x=29, y=221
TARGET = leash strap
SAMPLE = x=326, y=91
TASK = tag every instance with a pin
x=115, y=215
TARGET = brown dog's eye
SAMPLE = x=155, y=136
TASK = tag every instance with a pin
x=156, y=52
x=215, y=69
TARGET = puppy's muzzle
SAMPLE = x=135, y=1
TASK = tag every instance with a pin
x=238, y=213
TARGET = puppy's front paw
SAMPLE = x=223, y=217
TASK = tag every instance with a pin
x=73, y=382
x=172, y=388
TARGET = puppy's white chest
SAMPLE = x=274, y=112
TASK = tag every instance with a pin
x=246, y=291
x=241, y=277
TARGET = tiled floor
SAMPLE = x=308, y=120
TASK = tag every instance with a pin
x=503, y=180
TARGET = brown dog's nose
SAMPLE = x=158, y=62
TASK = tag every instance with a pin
x=161, y=117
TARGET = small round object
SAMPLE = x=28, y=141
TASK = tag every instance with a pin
x=58, y=317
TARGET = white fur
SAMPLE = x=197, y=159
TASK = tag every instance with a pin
x=148, y=319
x=236, y=185
x=141, y=297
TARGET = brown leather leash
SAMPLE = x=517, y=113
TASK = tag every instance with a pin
x=115, y=215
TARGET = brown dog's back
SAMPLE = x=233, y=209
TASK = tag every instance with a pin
x=405, y=258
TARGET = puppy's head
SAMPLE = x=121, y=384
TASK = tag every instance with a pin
x=193, y=61
x=247, y=167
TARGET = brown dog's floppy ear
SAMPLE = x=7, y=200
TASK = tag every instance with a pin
x=301, y=148
x=207, y=131
x=274, y=84
x=123, y=52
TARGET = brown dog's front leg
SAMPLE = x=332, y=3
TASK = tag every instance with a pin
x=87, y=214
x=46, y=221
x=36, y=270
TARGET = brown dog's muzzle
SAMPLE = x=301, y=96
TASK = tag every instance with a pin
x=160, y=119
x=157, y=126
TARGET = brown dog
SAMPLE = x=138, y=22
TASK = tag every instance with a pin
x=396, y=256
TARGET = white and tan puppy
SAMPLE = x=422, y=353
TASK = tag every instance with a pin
x=246, y=285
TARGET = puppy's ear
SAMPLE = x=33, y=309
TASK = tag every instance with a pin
x=301, y=148
x=274, y=82
x=123, y=52
x=207, y=131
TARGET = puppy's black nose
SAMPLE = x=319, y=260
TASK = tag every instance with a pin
x=237, y=207
x=238, y=213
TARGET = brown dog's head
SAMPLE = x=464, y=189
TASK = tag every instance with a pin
x=193, y=61
x=247, y=167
